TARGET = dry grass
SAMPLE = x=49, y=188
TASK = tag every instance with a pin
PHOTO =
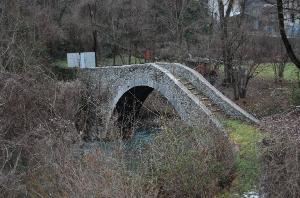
x=264, y=97
x=281, y=156
x=41, y=154
x=36, y=116
x=190, y=162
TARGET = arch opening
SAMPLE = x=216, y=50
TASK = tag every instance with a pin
x=139, y=107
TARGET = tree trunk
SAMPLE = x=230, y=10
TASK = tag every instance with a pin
x=275, y=72
x=129, y=56
x=93, y=11
x=114, y=54
x=243, y=93
x=240, y=84
x=236, y=85
x=298, y=78
x=226, y=53
x=284, y=37
x=135, y=53
x=281, y=71
x=244, y=81
x=122, y=59
x=95, y=36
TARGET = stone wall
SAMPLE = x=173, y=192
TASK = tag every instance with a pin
x=227, y=105
x=107, y=85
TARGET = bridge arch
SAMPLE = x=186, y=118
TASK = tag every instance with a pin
x=114, y=84
x=127, y=105
x=143, y=83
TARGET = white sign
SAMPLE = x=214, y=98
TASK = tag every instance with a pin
x=88, y=60
x=73, y=60
x=82, y=60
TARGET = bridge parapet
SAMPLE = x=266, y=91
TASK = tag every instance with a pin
x=227, y=105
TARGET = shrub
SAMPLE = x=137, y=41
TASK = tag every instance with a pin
x=36, y=115
x=189, y=162
x=281, y=166
x=281, y=156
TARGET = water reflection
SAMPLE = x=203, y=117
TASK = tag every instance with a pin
x=130, y=151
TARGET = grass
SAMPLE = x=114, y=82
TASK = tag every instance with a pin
x=109, y=61
x=290, y=72
x=62, y=63
x=267, y=71
x=247, y=163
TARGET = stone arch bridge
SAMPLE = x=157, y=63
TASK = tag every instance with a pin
x=125, y=88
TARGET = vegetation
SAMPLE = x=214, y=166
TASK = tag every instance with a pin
x=290, y=72
x=249, y=48
x=280, y=155
x=184, y=164
x=41, y=155
x=62, y=63
x=296, y=96
x=246, y=139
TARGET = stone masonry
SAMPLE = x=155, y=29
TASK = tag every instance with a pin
x=110, y=87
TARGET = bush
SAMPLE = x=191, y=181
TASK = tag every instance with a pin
x=281, y=156
x=189, y=162
x=36, y=117
x=281, y=166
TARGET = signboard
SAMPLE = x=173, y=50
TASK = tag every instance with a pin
x=88, y=60
x=73, y=60
x=82, y=60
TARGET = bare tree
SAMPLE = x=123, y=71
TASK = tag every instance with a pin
x=224, y=14
x=19, y=48
x=288, y=46
x=241, y=52
x=92, y=6
x=247, y=65
x=176, y=22
x=279, y=63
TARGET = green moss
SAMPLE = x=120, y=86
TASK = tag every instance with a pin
x=246, y=137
